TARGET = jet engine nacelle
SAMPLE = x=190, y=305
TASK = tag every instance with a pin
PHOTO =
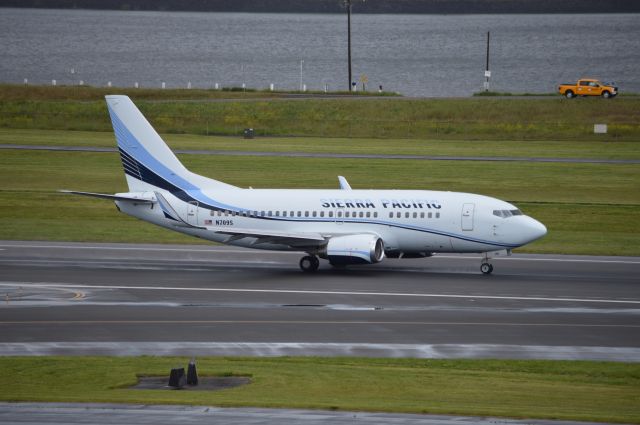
x=354, y=249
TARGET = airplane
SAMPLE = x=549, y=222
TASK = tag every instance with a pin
x=344, y=226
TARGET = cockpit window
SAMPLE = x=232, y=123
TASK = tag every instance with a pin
x=506, y=213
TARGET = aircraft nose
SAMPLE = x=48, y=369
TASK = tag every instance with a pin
x=535, y=229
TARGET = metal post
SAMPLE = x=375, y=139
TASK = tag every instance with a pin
x=348, y=3
x=487, y=73
x=301, y=64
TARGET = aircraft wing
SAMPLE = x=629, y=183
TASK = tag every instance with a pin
x=293, y=239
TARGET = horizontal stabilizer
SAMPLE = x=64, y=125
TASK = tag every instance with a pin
x=110, y=197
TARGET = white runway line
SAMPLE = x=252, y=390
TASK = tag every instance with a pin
x=294, y=291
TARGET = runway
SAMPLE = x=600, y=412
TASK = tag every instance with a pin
x=120, y=299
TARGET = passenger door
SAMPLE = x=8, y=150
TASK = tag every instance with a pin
x=467, y=217
x=192, y=213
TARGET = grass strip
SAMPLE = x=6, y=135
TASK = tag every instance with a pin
x=486, y=148
x=595, y=210
x=469, y=118
x=585, y=391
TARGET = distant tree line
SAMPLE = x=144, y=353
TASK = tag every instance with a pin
x=337, y=6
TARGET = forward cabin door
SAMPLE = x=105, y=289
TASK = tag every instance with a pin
x=192, y=213
x=467, y=216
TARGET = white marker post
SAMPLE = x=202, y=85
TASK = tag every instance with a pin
x=26, y=81
x=136, y=85
x=164, y=85
x=189, y=85
x=487, y=73
x=53, y=82
x=271, y=86
x=108, y=83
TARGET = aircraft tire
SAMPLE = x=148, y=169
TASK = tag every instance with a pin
x=486, y=268
x=309, y=263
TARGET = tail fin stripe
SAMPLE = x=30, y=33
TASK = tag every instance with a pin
x=124, y=137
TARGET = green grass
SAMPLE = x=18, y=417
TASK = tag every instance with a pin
x=586, y=391
x=470, y=119
x=499, y=93
x=504, y=148
x=594, y=210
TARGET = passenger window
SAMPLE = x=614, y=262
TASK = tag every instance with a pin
x=330, y=213
x=368, y=214
x=422, y=215
x=430, y=215
x=284, y=213
x=314, y=213
x=415, y=215
x=270, y=213
x=299, y=213
x=375, y=214
x=437, y=215
x=391, y=215
x=306, y=213
x=406, y=215
x=398, y=214
x=277, y=213
x=321, y=213
x=293, y=214
x=584, y=83
x=339, y=213
x=346, y=214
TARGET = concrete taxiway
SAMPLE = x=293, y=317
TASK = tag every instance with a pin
x=67, y=298
x=113, y=414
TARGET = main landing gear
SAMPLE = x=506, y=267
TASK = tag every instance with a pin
x=486, y=267
x=309, y=263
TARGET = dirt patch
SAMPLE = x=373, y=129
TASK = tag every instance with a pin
x=206, y=383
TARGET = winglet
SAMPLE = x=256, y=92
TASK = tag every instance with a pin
x=344, y=184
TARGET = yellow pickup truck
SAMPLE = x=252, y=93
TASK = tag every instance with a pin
x=588, y=87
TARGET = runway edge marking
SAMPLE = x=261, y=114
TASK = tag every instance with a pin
x=293, y=291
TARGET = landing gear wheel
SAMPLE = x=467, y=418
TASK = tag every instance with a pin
x=486, y=268
x=309, y=263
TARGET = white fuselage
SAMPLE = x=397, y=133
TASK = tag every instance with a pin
x=409, y=221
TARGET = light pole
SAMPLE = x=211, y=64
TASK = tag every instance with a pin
x=348, y=5
x=301, y=64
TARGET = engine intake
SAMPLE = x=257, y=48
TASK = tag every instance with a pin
x=355, y=249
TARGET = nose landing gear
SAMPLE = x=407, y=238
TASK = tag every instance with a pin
x=486, y=267
x=309, y=263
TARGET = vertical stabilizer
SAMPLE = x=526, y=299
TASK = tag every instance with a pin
x=148, y=162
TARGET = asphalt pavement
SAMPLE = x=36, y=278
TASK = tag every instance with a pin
x=121, y=299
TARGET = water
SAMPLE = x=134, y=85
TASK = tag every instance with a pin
x=416, y=55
